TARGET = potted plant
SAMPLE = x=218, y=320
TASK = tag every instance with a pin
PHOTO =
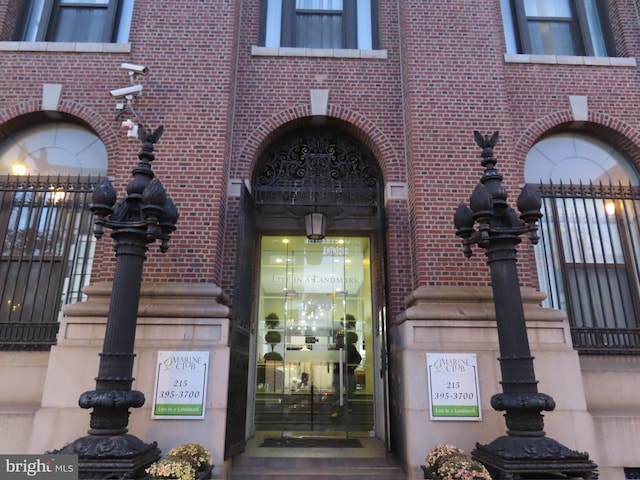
x=273, y=338
x=189, y=461
x=272, y=320
x=448, y=462
x=171, y=468
x=274, y=356
x=463, y=468
x=349, y=322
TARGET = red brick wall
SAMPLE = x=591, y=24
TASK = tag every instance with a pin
x=190, y=53
x=8, y=18
x=444, y=77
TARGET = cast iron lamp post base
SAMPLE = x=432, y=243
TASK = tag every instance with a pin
x=519, y=458
x=525, y=452
x=120, y=456
x=143, y=216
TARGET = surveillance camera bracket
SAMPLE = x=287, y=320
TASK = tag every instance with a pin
x=128, y=107
x=133, y=76
x=130, y=101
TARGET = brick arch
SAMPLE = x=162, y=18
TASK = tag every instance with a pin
x=612, y=130
x=350, y=122
x=25, y=114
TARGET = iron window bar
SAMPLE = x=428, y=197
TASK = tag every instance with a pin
x=46, y=253
x=588, y=262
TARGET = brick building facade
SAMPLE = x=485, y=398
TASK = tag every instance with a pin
x=400, y=86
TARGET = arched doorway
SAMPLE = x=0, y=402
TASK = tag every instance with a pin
x=319, y=332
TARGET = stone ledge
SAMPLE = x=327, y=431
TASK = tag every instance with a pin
x=76, y=47
x=22, y=409
x=620, y=412
x=90, y=330
x=470, y=303
x=157, y=299
x=257, y=51
x=570, y=60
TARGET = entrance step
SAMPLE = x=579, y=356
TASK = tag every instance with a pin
x=301, y=412
x=367, y=463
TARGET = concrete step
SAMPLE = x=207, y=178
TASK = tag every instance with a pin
x=316, y=469
x=317, y=463
x=295, y=413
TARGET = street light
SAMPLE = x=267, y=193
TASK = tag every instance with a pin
x=490, y=223
x=144, y=215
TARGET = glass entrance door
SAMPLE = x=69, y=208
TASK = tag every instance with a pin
x=314, y=369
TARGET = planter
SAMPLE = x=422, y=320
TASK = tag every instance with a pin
x=203, y=475
x=429, y=474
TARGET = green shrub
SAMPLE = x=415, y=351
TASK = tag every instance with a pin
x=273, y=356
x=273, y=337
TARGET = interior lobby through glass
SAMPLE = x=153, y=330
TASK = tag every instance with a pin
x=315, y=342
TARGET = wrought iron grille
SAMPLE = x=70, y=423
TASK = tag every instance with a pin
x=317, y=167
x=589, y=263
x=632, y=473
x=46, y=253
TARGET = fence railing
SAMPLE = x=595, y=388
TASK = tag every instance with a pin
x=46, y=254
x=589, y=263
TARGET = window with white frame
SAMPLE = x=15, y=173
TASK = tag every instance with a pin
x=102, y=21
x=588, y=257
x=47, y=176
x=557, y=27
x=338, y=24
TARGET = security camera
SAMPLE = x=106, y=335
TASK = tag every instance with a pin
x=133, y=68
x=126, y=91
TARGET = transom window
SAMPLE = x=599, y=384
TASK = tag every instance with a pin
x=319, y=24
x=557, y=27
x=590, y=239
x=101, y=21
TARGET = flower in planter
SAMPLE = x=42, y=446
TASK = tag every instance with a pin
x=194, y=453
x=462, y=468
x=184, y=462
x=440, y=454
x=447, y=462
x=172, y=468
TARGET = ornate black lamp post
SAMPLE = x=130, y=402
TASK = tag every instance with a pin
x=143, y=216
x=524, y=452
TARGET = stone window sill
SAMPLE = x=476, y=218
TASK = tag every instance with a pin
x=316, y=52
x=570, y=60
x=80, y=47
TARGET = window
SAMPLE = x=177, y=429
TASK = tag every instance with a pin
x=319, y=24
x=46, y=245
x=100, y=21
x=557, y=27
x=588, y=258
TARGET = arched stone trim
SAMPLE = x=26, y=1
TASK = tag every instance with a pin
x=610, y=129
x=23, y=115
x=352, y=123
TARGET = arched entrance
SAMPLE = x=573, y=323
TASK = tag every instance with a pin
x=319, y=335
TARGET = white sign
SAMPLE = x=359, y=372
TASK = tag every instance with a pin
x=181, y=385
x=453, y=386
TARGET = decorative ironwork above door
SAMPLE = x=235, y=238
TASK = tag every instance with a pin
x=320, y=168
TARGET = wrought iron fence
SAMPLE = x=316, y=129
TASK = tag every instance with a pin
x=46, y=253
x=589, y=263
x=632, y=473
